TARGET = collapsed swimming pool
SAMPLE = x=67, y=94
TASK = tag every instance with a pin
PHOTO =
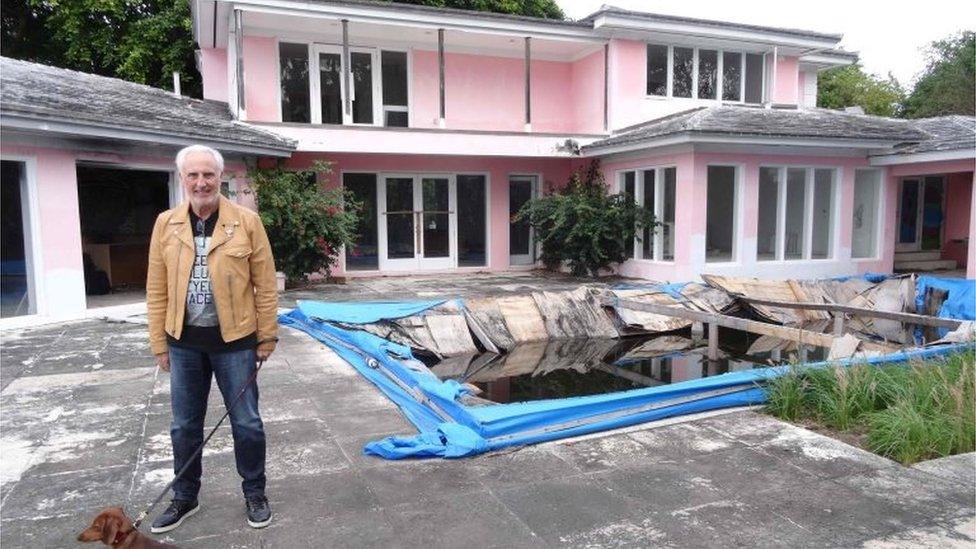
x=467, y=403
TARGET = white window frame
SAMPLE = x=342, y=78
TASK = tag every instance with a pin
x=658, y=169
x=384, y=108
x=808, y=206
x=720, y=80
x=31, y=222
x=879, y=192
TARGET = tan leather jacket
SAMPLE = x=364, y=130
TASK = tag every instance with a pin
x=242, y=276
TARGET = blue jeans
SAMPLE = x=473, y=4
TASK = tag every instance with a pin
x=190, y=375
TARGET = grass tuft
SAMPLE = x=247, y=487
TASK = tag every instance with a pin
x=910, y=412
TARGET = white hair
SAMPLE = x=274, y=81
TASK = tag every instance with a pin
x=181, y=156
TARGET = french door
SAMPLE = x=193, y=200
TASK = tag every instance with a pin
x=921, y=208
x=328, y=86
x=417, y=222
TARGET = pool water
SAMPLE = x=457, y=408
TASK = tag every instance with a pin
x=590, y=366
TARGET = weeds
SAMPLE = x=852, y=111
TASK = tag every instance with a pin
x=910, y=412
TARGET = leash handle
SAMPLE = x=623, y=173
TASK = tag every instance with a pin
x=142, y=516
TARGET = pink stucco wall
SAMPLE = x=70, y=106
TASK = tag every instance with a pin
x=554, y=171
x=587, y=93
x=627, y=60
x=957, y=232
x=213, y=72
x=261, y=79
x=787, y=81
x=971, y=261
x=488, y=93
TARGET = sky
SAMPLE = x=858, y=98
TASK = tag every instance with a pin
x=890, y=35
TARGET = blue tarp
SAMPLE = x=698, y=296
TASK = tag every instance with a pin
x=450, y=429
x=960, y=302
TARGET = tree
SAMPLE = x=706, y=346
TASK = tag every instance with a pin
x=850, y=86
x=142, y=41
x=583, y=227
x=948, y=83
x=308, y=239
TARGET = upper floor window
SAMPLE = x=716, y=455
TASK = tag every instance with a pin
x=699, y=73
x=293, y=59
x=314, y=87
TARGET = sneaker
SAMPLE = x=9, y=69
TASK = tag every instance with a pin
x=258, y=511
x=174, y=515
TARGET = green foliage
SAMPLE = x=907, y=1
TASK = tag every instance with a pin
x=533, y=8
x=910, y=413
x=850, y=86
x=307, y=225
x=583, y=226
x=142, y=41
x=948, y=83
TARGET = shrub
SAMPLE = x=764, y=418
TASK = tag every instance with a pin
x=583, y=226
x=307, y=225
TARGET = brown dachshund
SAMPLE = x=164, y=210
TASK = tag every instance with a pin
x=114, y=529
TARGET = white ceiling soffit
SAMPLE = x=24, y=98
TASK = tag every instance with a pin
x=612, y=24
x=324, y=30
x=405, y=18
x=820, y=60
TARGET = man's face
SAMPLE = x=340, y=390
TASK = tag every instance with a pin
x=201, y=180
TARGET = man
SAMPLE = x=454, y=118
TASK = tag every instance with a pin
x=212, y=305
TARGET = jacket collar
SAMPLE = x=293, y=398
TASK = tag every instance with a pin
x=228, y=222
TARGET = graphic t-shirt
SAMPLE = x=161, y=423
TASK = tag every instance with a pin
x=201, y=327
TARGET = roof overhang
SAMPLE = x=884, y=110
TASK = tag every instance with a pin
x=211, y=34
x=820, y=60
x=930, y=156
x=867, y=146
x=68, y=129
x=713, y=30
x=381, y=140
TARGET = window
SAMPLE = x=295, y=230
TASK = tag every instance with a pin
x=654, y=189
x=313, y=85
x=394, y=88
x=471, y=221
x=731, y=76
x=707, y=74
x=684, y=60
x=768, y=227
x=796, y=213
x=657, y=70
x=363, y=255
x=675, y=71
x=755, y=69
x=867, y=189
x=823, y=205
x=720, y=214
x=293, y=59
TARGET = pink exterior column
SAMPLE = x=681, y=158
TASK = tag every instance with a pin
x=261, y=79
x=213, y=72
x=787, y=81
x=971, y=261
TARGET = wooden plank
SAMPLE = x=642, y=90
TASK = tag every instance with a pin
x=451, y=335
x=522, y=318
x=908, y=318
x=783, y=332
x=490, y=321
x=559, y=314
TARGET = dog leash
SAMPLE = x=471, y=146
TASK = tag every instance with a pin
x=142, y=516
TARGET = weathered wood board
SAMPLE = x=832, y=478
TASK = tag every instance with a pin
x=522, y=318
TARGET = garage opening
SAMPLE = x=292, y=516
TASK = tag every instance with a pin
x=16, y=287
x=117, y=209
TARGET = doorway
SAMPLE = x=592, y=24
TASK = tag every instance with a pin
x=118, y=208
x=17, y=291
x=921, y=211
x=417, y=222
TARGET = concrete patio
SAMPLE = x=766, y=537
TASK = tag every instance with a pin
x=85, y=425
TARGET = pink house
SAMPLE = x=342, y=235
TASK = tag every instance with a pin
x=444, y=122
